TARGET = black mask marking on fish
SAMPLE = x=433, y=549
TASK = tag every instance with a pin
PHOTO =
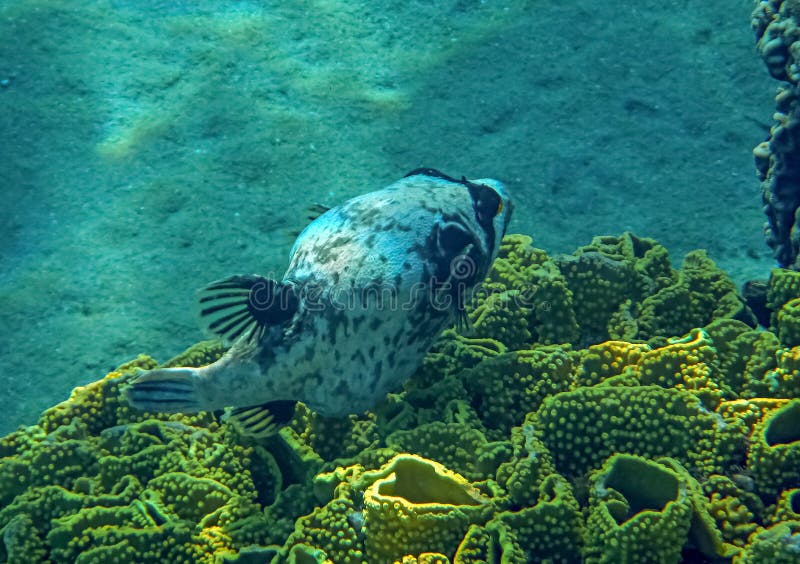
x=487, y=204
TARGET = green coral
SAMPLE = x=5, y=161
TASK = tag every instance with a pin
x=455, y=352
x=21, y=541
x=424, y=558
x=475, y=547
x=637, y=507
x=784, y=286
x=527, y=437
x=609, y=360
x=778, y=544
x=102, y=483
x=746, y=413
x=304, y=554
x=781, y=380
x=507, y=385
x=100, y=532
x=614, y=288
x=409, y=506
x=334, y=528
x=583, y=427
x=625, y=287
x=200, y=354
x=525, y=291
x=601, y=277
x=700, y=294
x=774, y=454
x=343, y=437
x=743, y=354
x=789, y=323
x=458, y=446
x=787, y=508
x=529, y=465
x=548, y=530
x=736, y=511
x=504, y=315
x=553, y=318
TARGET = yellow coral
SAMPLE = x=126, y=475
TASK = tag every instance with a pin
x=424, y=558
x=686, y=363
x=749, y=411
x=611, y=358
x=413, y=505
x=583, y=427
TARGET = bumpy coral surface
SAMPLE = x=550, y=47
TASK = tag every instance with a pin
x=602, y=407
x=775, y=23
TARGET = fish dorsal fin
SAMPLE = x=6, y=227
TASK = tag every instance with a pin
x=314, y=211
x=432, y=172
x=246, y=305
x=261, y=421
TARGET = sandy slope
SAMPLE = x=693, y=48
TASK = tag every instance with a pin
x=147, y=151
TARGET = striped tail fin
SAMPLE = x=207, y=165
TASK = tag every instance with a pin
x=166, y=390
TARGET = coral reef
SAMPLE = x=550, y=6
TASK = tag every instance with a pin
x=637, y=506
x=614, y=288
x=775, y=23
x=601, y=407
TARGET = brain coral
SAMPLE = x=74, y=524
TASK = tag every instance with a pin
x=529, y=436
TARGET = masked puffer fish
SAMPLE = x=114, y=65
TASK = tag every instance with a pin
x=370, y=285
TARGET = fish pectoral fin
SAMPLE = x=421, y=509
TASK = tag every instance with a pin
x=246, y=305
x=261, y=421
x=166, y=390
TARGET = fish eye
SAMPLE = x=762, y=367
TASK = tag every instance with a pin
x=487, y=201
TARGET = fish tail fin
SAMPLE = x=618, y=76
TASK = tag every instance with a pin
x=166, y=390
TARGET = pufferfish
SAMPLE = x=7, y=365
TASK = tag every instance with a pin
x=370, y=285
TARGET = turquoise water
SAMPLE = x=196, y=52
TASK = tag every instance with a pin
x=150, y=147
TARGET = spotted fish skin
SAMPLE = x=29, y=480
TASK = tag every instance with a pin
x=375, y=280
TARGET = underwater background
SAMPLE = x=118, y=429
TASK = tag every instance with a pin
x=617, y=396
x=149, y=148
